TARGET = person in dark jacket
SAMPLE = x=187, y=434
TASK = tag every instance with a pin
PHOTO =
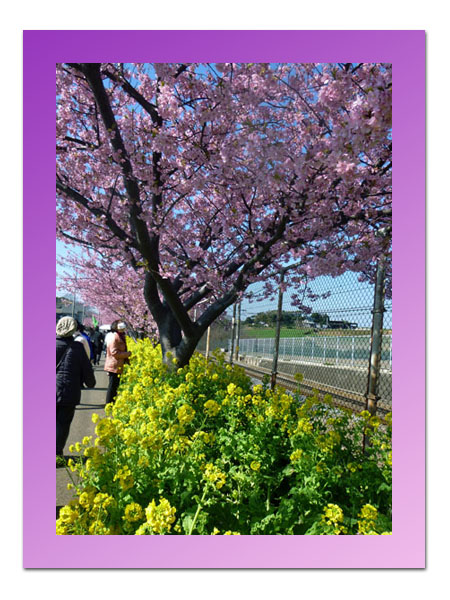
x=73, y=369
x=97, y=341
x=82, y=336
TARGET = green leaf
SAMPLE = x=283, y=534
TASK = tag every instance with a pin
x=187, y=522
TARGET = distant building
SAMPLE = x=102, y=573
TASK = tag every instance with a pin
x=308, y=322
x=341, y=325
x=64, y=308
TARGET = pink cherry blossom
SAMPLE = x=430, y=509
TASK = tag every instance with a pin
x=187, y=183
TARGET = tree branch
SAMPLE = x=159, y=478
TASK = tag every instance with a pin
x=97, y=212
x=131, y=91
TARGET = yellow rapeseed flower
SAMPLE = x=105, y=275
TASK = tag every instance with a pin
x=304, y=426
x=68, y=515
x=185, y=414
x=368, y=517
x=125, y=478
x=231, y=388
x=214, y=475
x=211, y=408
x=160, y=517
x=133, y=512
x=104, y=429
x=296, y=455
x=333, y=516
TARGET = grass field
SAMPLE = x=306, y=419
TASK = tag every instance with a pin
x=221, y=337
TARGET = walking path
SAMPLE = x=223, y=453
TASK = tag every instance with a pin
x=92, y=401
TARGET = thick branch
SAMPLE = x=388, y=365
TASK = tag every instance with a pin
x=197, y=297
x=152, y=298
x=148, y=246
x=175, y=305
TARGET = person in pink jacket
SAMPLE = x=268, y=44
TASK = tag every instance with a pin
x=116, y=356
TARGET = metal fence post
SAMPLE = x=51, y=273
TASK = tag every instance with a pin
x=376, y=339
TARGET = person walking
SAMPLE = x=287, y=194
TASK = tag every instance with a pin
x=116, y=356
x=73, y=369
x=97, y=341
x=81, y=336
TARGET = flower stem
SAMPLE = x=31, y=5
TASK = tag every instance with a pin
x=199, y=507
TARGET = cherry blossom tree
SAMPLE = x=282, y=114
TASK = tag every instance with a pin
x=115, y=290
x=190, y=182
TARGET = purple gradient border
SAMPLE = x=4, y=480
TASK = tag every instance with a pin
x=406, y=547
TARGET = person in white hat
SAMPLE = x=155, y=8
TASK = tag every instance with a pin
x=116, y=356
x=73, y=369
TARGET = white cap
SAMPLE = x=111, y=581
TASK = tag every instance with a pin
x=121, y=325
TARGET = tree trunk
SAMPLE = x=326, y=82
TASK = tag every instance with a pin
x=173, y=343
x=179, y=336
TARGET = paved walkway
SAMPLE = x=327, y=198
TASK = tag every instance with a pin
x=92, y=401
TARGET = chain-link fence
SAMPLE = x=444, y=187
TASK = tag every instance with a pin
x=332, y=340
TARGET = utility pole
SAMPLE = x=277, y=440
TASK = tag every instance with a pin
x=273, y=377
x=208, y=337
x=233, y=333
x=74, y=292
